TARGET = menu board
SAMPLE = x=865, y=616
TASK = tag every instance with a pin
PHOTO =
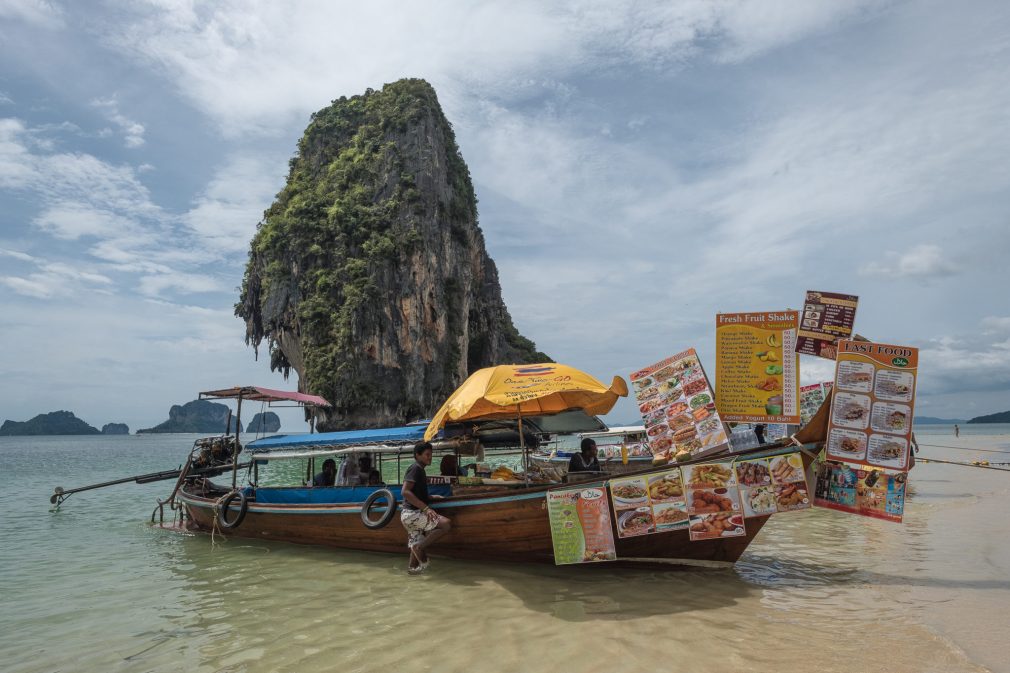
x=713, y=501
x=826, y=318
x=811, y=399
x=871, y=410
x=678, y=407
x=652, y=503
x=757, y=370
x=769, y=485
x=580, y=526
x=851, y=488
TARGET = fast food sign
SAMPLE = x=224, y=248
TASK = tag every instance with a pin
x=757, y=370
x=678, y=407
x=873, y=403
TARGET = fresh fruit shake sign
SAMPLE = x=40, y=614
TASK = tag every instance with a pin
x=757, y=370
x=871, y=413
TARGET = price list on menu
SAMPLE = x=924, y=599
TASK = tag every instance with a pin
x=756, y=367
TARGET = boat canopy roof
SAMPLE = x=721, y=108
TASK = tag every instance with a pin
x=358, y=439
x=269, y=395
x=617, y=431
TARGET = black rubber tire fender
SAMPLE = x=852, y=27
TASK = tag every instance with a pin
x=386, y=517
x=222, y=511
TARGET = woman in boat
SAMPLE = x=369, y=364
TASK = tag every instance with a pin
x=423, y=525
x=328, y=475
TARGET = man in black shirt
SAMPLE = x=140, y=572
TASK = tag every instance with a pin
x=586, y=460
x=423, y=525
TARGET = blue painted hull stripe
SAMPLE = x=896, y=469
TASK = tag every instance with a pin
x=337, y=509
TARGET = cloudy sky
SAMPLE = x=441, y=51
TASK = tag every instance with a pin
x=640, y=167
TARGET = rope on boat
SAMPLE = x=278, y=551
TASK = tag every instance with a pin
x=965, y=448
x=217, y=510
x=983, y=464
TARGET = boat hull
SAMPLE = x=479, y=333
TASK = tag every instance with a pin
x=500, y=527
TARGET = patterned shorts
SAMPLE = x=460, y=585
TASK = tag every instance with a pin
x=418, y=524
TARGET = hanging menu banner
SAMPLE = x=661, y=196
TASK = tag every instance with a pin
x=713, y=502
x=811, y=399
x=580, y=526
x=646, y=504
x=769, y=485
x=827, y=317
x=757, y=370
x=678, y=407
x=850, y=488
x=871, y=411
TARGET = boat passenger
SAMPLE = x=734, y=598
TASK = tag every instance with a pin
x=354, y=470
x=450, y=467
x=423, y=525
x=375, y=479
x=586, y=460
x=327, y=476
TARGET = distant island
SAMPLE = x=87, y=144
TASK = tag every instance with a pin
x=53, y=423
x=115, y=429
x=932, y=420
x=1001, y=417
x=195, y=416
x=267, y=421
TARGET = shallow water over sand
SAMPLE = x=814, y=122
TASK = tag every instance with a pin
x=94, y=588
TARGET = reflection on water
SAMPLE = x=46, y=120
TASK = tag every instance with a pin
x=93, y=587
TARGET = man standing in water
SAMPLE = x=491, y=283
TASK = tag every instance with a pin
x=957, y=431
x=424, y=526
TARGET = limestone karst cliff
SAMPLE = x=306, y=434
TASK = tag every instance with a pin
x=369, y=274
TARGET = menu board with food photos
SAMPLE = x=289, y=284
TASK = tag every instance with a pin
x=757, y=370
x=769, y=485
x=827, y=317
x=811, y=399
x=871, y=410
x=678, y=407
x=652, y=503
x=580, y=526
x=858, y=490
x=713, y=501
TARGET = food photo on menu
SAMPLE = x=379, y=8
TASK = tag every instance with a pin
x=851, y=410
x=846, y=444
x=890, y=417
x=855, y=376
x=888, y=451
x=894, y=386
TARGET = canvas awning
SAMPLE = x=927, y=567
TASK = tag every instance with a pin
x=269, y=395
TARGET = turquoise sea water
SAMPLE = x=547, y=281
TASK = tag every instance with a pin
x=94, y=587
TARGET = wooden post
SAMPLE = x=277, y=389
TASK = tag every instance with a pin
x=234, y=453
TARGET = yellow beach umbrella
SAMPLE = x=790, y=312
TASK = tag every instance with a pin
x=514, y=391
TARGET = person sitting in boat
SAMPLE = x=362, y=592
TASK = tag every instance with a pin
x=423, y=524
x=375, y=479
x=354, y=470
x=450, y=467
x=586, y=460
x=327, y=476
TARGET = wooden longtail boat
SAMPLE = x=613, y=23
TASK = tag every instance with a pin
x=490, y=520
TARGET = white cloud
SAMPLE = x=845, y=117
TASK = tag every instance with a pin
x=16, y=254
x=133, y=132
x=36, y=12
x=225, y=215
x=254, y=65
x=5, y=99
x=54, y=278
x=991, y=324
x=184, y=283
x=73, y=220
x=923, y=261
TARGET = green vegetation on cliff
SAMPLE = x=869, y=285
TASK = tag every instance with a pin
x=369, y=272
x=53, y=423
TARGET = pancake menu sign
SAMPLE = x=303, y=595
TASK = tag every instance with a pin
x=827, y=317
x=871, y=413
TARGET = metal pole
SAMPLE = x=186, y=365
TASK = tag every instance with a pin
x=234, y=454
